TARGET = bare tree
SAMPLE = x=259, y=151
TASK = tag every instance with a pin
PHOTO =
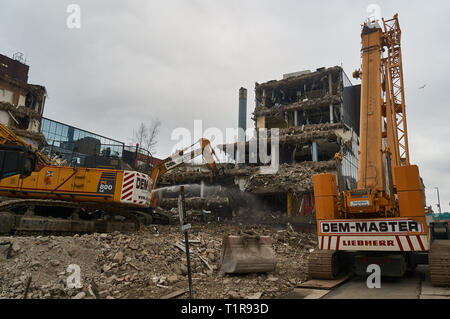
x=147, y=136
x=152, y=135
x=140, y=135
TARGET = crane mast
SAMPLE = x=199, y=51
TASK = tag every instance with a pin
x=370, y=170
x=383, y=115
x=383, y=131
x=395, y=93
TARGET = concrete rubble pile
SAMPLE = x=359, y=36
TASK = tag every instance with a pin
x=147, y=264
x=296, y=178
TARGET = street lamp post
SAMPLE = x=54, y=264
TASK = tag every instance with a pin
x=439, y=201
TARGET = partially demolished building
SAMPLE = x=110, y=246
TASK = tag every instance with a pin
x=21, y=103
x=317, y=115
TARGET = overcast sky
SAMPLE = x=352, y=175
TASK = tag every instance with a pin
x=185, y=60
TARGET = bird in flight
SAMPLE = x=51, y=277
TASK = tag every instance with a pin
x=423, y=86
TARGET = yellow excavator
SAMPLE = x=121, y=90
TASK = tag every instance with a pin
x=382, y=221
x=64, y=199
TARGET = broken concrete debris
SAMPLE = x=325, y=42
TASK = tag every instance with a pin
x=159, y=268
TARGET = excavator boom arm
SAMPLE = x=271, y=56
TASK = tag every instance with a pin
x=180, y=158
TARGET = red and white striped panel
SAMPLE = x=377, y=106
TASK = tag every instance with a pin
x=127, y=186
x=375, y=243
x=136, y=189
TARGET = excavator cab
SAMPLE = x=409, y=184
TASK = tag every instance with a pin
x=16, y=156
x=16, y=160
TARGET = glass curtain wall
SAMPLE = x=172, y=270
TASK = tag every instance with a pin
x=69, y=141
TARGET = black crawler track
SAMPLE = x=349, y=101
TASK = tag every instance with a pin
x=323, y=264
x=18, y=216
x=439, y=262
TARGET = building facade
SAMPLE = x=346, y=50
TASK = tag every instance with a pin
x=77, y=146
x=21, y=104
x=72, y=143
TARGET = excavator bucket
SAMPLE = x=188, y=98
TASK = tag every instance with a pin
x=247, y=254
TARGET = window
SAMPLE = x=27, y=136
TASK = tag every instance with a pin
x=65, y=131
x=45, y=125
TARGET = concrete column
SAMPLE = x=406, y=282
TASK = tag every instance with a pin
x=264, y=98
x=295, y=118
x=331, y=113
x=315, y=156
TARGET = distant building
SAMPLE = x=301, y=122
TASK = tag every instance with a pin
x=21, y=104
x=67, y=139
x=91, y=149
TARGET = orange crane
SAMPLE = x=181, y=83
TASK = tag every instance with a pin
x=382, y=221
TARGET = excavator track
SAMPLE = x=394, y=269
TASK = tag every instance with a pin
x=439, y=263
x=112, y=218
x=323, y=264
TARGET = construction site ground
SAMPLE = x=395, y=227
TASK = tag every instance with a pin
x=414, y=285
x=147, y=264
